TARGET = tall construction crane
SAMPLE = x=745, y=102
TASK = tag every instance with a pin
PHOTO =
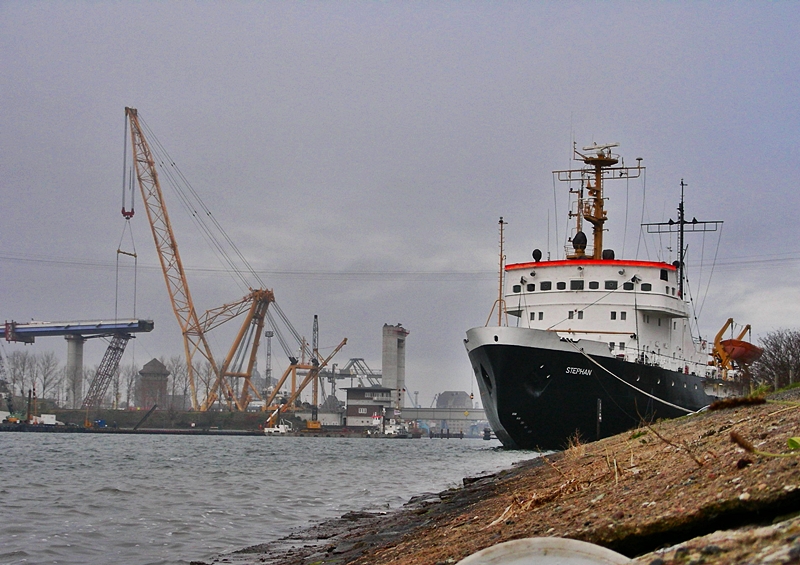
x=237, y=367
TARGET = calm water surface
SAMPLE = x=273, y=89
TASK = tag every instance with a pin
x=101, y=499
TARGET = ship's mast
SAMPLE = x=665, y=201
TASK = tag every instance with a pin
x=681, y=232
x=500, y=303
x=682, y=226
x=600, y=163
x=593, y=210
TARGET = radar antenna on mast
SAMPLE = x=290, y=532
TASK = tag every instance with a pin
x=600, y=167
x=600, y=149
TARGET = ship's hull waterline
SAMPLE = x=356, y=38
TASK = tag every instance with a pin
x=540, y=390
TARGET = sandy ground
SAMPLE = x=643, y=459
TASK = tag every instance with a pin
x=677, y=491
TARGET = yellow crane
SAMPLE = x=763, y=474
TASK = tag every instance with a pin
x=239, y=362
x=311, y=376
x=734, y=353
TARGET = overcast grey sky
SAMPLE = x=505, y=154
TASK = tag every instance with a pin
x=361, y=153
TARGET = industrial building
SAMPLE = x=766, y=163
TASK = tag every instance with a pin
x=151, y=386
x=393, y=362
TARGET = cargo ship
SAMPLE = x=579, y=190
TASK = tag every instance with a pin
x=597, y=345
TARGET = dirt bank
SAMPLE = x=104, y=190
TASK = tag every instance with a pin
x=678, y=491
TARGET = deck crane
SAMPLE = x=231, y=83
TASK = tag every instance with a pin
x=731, y=354
x=239, y=362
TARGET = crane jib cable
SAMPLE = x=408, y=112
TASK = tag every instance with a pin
x=120, y=251
x=191, y=201
x=193, y=195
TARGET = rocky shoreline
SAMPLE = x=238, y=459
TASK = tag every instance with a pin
x=677, y=491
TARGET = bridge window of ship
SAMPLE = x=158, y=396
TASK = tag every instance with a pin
x=570, y=314
x=594, y=285
x=561, y=285
x=664, y=275
x=647, y=287
x=546, y=285
x=580, y=314
x=623, y=315
x=576, y=285
x=627, y=286
x=611, y=285
x=613, y=315
x=531, y=287
x=516, y=288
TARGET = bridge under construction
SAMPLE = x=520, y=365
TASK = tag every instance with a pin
x=76, y=334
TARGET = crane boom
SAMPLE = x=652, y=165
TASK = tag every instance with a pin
x=311, y=376
x=241, y=357
x=174, y=275
x=244, y=347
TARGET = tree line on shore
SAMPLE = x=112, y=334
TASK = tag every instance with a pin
x=42, y=373
x=779, y=365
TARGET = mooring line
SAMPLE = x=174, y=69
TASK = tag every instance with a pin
x=582, y=352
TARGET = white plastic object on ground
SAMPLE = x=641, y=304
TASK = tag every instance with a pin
x=545, y=551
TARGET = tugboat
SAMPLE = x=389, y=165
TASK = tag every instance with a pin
x=599, y=344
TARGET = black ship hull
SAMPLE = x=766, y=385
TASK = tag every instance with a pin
x=539, y=390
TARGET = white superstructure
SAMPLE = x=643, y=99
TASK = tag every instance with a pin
x=632, y=306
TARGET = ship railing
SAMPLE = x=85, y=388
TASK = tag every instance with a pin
x=655, y=359
x=569, y=251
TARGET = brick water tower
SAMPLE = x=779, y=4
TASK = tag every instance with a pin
x=393, y=364
x=151, y=387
